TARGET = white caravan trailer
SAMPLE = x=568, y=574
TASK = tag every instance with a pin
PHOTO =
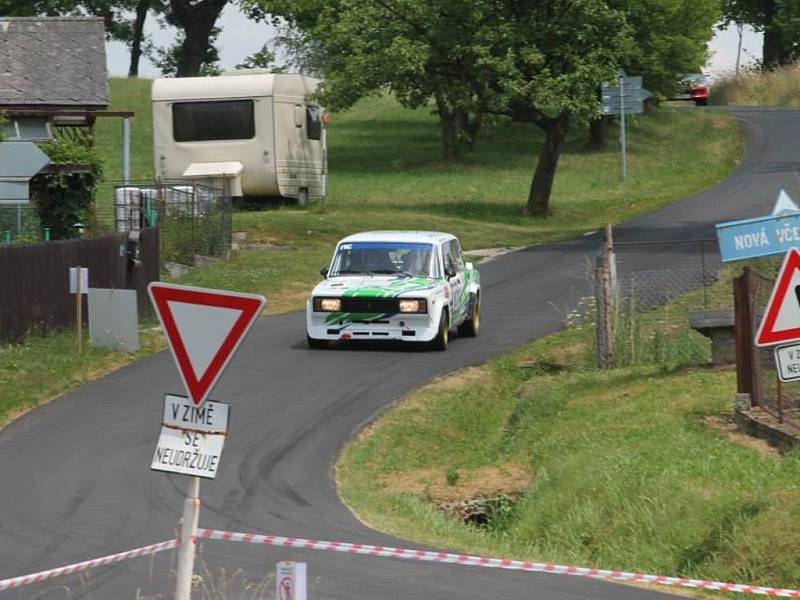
x=259, y=129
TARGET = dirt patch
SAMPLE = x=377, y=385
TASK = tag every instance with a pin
x=448, y=487
x=728, y=427
x=458, y=379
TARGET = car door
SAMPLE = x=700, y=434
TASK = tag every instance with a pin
x=455, y=261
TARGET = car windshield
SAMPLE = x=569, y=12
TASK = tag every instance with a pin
x=384, y=258
x=694, y=79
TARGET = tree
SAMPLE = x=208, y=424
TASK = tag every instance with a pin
x=538, y=62
x=170, y=59
x=196, y=22
x=263, y=59
x=670, y=39
x=779, y=20
x=546, y=61
x=419, y=50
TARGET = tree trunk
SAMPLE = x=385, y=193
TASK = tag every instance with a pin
x=137, y=35
x=597, y=134
x=449, y=122
x=555, y=130
x=197, y=20
x=471, y=127
x=773, y=50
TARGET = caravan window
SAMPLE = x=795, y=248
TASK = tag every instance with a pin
x=314, y=122
x=221, y=120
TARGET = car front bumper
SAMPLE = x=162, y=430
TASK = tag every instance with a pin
x=404, y=327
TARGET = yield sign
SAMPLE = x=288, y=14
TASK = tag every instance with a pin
x=203, y=328
x=781, y=322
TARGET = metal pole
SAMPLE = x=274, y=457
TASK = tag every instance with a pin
x=191, y=514
x=126, y=150
x=78, y=309
x=19, y=220
x=622, y=128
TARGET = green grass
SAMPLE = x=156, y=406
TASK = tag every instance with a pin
x=625, y=471
x=780, y=87
x=42, y=367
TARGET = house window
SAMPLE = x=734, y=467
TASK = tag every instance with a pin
x=314, y=122
x=207, y=121
x=26, y=129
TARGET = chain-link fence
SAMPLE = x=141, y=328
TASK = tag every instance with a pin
x=194, y=218
x=647, y=293
x=757, y=374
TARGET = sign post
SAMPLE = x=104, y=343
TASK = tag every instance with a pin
x=626, y=97
x=186, y=551
x=204, y=328
x=78, y=285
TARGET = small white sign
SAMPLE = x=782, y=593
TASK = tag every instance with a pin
x=290, y=583
x=787, y=360
x=73, y=280
x=192, y=437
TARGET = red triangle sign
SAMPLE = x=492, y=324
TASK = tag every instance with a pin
x=204, y=329
x=781, y=322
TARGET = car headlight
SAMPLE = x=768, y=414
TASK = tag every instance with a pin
x=327, y=304
x=413, y=306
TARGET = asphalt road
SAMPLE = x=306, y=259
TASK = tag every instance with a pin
x=74, y=475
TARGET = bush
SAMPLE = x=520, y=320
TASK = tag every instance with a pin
x=65, y=198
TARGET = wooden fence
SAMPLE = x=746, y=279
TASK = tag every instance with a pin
x=34, y=279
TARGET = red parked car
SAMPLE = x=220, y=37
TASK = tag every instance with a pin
x=696, y=88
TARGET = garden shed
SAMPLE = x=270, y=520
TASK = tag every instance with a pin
x=53, y=79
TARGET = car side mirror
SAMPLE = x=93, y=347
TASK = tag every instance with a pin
x=324, y=271
x=449, y=272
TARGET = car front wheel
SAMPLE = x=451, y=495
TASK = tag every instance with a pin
x=471, y=326
x=443, y=335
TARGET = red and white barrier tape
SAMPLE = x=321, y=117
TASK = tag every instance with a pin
x=496, y=563
x=6, y=584
x=419, y=555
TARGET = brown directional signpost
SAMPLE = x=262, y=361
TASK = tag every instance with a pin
x=204, y=328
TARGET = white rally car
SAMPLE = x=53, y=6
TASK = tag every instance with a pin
x=412, y=286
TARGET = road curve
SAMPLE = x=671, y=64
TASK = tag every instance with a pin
x=74, y=475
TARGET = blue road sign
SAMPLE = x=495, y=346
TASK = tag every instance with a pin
x=762, y=236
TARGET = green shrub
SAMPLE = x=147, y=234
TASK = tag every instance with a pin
x=64, y=198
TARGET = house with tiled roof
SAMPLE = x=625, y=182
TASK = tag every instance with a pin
x=53, y=76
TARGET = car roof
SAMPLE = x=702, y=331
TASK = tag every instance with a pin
x=422, y=237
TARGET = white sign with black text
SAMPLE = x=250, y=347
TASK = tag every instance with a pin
x=73, y=280
x=192, y=437
x=787, y=360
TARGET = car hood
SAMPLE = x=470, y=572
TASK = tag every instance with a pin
x=380, y=286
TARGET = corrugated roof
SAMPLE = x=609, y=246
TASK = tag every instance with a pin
x=53, y=61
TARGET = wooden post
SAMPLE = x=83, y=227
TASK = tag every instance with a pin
x=741, y=317
x=601, y=356
x=603, y=296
